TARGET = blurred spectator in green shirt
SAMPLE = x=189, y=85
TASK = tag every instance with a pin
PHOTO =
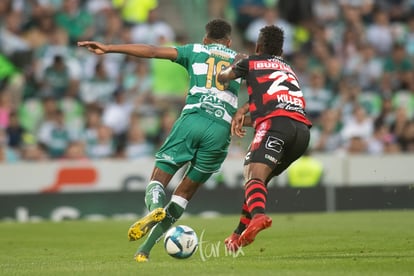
x=76, y=21
x=170, y=80
x=398, y=70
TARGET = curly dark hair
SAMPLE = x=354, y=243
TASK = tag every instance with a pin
x=218, y=29
x=271, y=40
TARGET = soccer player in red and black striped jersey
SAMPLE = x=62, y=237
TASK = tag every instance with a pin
x=277, y=112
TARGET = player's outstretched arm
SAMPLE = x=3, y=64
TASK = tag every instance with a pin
x=239, y=120
x=138, y=50
x=228, y=74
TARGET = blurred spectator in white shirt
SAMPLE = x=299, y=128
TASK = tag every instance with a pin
x=270, y=17
x=359, y=125
x=364, y=7
x=75, y=151
x=112, y=33
x=150, y=31
x=98, y=6
x=57, y=45
x=117, y=113
x=379, y=33
x=137, y=146
x=56, y=80
x=409, y=36
x=318, y=98
x=92, y=119
x=300, y=62
x=99, y=88
x=54, y=135
x=381, y=135
x=325, y=136
x=11, y=41
x=326, y=11
x=104, y=146
x=346, y=98
x=366, y=66
x=137, y=82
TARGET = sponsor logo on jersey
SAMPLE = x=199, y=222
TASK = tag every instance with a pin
x=275, y=65
x=274, y=144
x=290, y=99
x=220, y=54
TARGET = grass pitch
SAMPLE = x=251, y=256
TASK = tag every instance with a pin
x=342, y=243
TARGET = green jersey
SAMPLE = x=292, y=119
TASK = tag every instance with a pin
x=206, y=94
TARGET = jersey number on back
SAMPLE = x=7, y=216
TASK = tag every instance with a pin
x=279, y=77
x=213, y=70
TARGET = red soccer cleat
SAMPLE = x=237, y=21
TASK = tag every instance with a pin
x=258, y=223
x=232, y=242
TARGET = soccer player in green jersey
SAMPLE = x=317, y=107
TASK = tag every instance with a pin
x=200, y=136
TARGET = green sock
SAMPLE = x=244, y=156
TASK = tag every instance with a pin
x=154, y=195
x=174, y=210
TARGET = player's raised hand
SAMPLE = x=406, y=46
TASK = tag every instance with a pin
x=94, y=47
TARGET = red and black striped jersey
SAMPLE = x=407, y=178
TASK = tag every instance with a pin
x=273, y=89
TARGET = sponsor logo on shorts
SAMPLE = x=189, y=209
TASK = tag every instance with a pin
x=270, y=158
x=274, y=144
x=247, y=156
x=259, y=136
x=167, y=157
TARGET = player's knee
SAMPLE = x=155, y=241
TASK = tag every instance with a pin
x=165, y=169
x=198, y=176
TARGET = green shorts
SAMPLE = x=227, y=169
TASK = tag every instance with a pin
x=198, y=139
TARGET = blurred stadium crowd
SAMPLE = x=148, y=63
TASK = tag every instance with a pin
x=354, y=60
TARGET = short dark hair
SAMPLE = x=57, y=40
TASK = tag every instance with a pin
x=271, y=40
x=218, y=29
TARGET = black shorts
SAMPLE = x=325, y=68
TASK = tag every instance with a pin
x=278, y=142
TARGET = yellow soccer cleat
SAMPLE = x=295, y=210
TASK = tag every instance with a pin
x=141, y=258
x=144, y=225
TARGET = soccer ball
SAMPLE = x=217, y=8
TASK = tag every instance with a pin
x=181, y=242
